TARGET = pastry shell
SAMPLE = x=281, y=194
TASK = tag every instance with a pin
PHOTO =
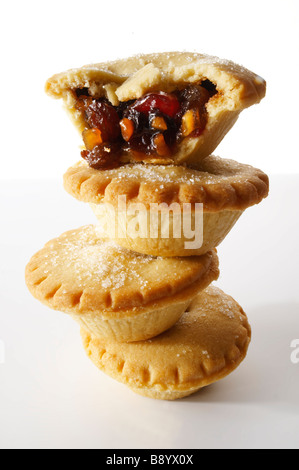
x=215, y=193
x=207, y=343
x=126, y=79
x=113, y=292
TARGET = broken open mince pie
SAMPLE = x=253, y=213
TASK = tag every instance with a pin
x=158, y=108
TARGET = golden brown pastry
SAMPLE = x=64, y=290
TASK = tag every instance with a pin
x=113, y=292
x=206, y=344
x=158, y=108
x=125, y=200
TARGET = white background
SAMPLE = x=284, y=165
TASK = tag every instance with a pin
x=50, y=394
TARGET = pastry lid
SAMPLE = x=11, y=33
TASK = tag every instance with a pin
x=83, y=271
x=217, y=183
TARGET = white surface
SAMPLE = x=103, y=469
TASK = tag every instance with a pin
x=51, y=395
x=39, y=41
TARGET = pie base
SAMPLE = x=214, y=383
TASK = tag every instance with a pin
x=164, y=235
x=144, y=323
x=209, y=341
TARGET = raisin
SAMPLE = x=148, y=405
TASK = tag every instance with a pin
x=83, y=102
x=142, y=143
x=103, y=156
x=194, y=96
x=103, y=116
x=140, y=120
x=193, y=105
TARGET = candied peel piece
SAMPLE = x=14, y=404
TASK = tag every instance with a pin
x=190, y=121
x=160, y=145
x=127, y=128
x=92, y=137
x=158, y=122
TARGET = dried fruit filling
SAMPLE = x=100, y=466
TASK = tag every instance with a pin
x=149, y=127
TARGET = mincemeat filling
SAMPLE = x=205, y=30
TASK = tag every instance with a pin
x=149, y=127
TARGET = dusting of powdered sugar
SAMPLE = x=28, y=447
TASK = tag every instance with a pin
x=92, y=260
x=224, y=305
x=211, y=298
x=163, y=174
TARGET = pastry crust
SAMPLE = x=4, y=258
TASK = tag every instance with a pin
x=217, y=183
x=120, y=196
x=122, y=80
x=208, y=342
x=166, y=233
x=116, y=292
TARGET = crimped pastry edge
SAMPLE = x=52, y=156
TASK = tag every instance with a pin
x=248, y=186
x=82, y=301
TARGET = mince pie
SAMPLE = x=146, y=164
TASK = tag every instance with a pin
x=114, y=292
x=207, y=343
x=225, y=189
x=158, y=108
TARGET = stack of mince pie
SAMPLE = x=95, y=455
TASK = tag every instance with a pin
x=137, y=285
